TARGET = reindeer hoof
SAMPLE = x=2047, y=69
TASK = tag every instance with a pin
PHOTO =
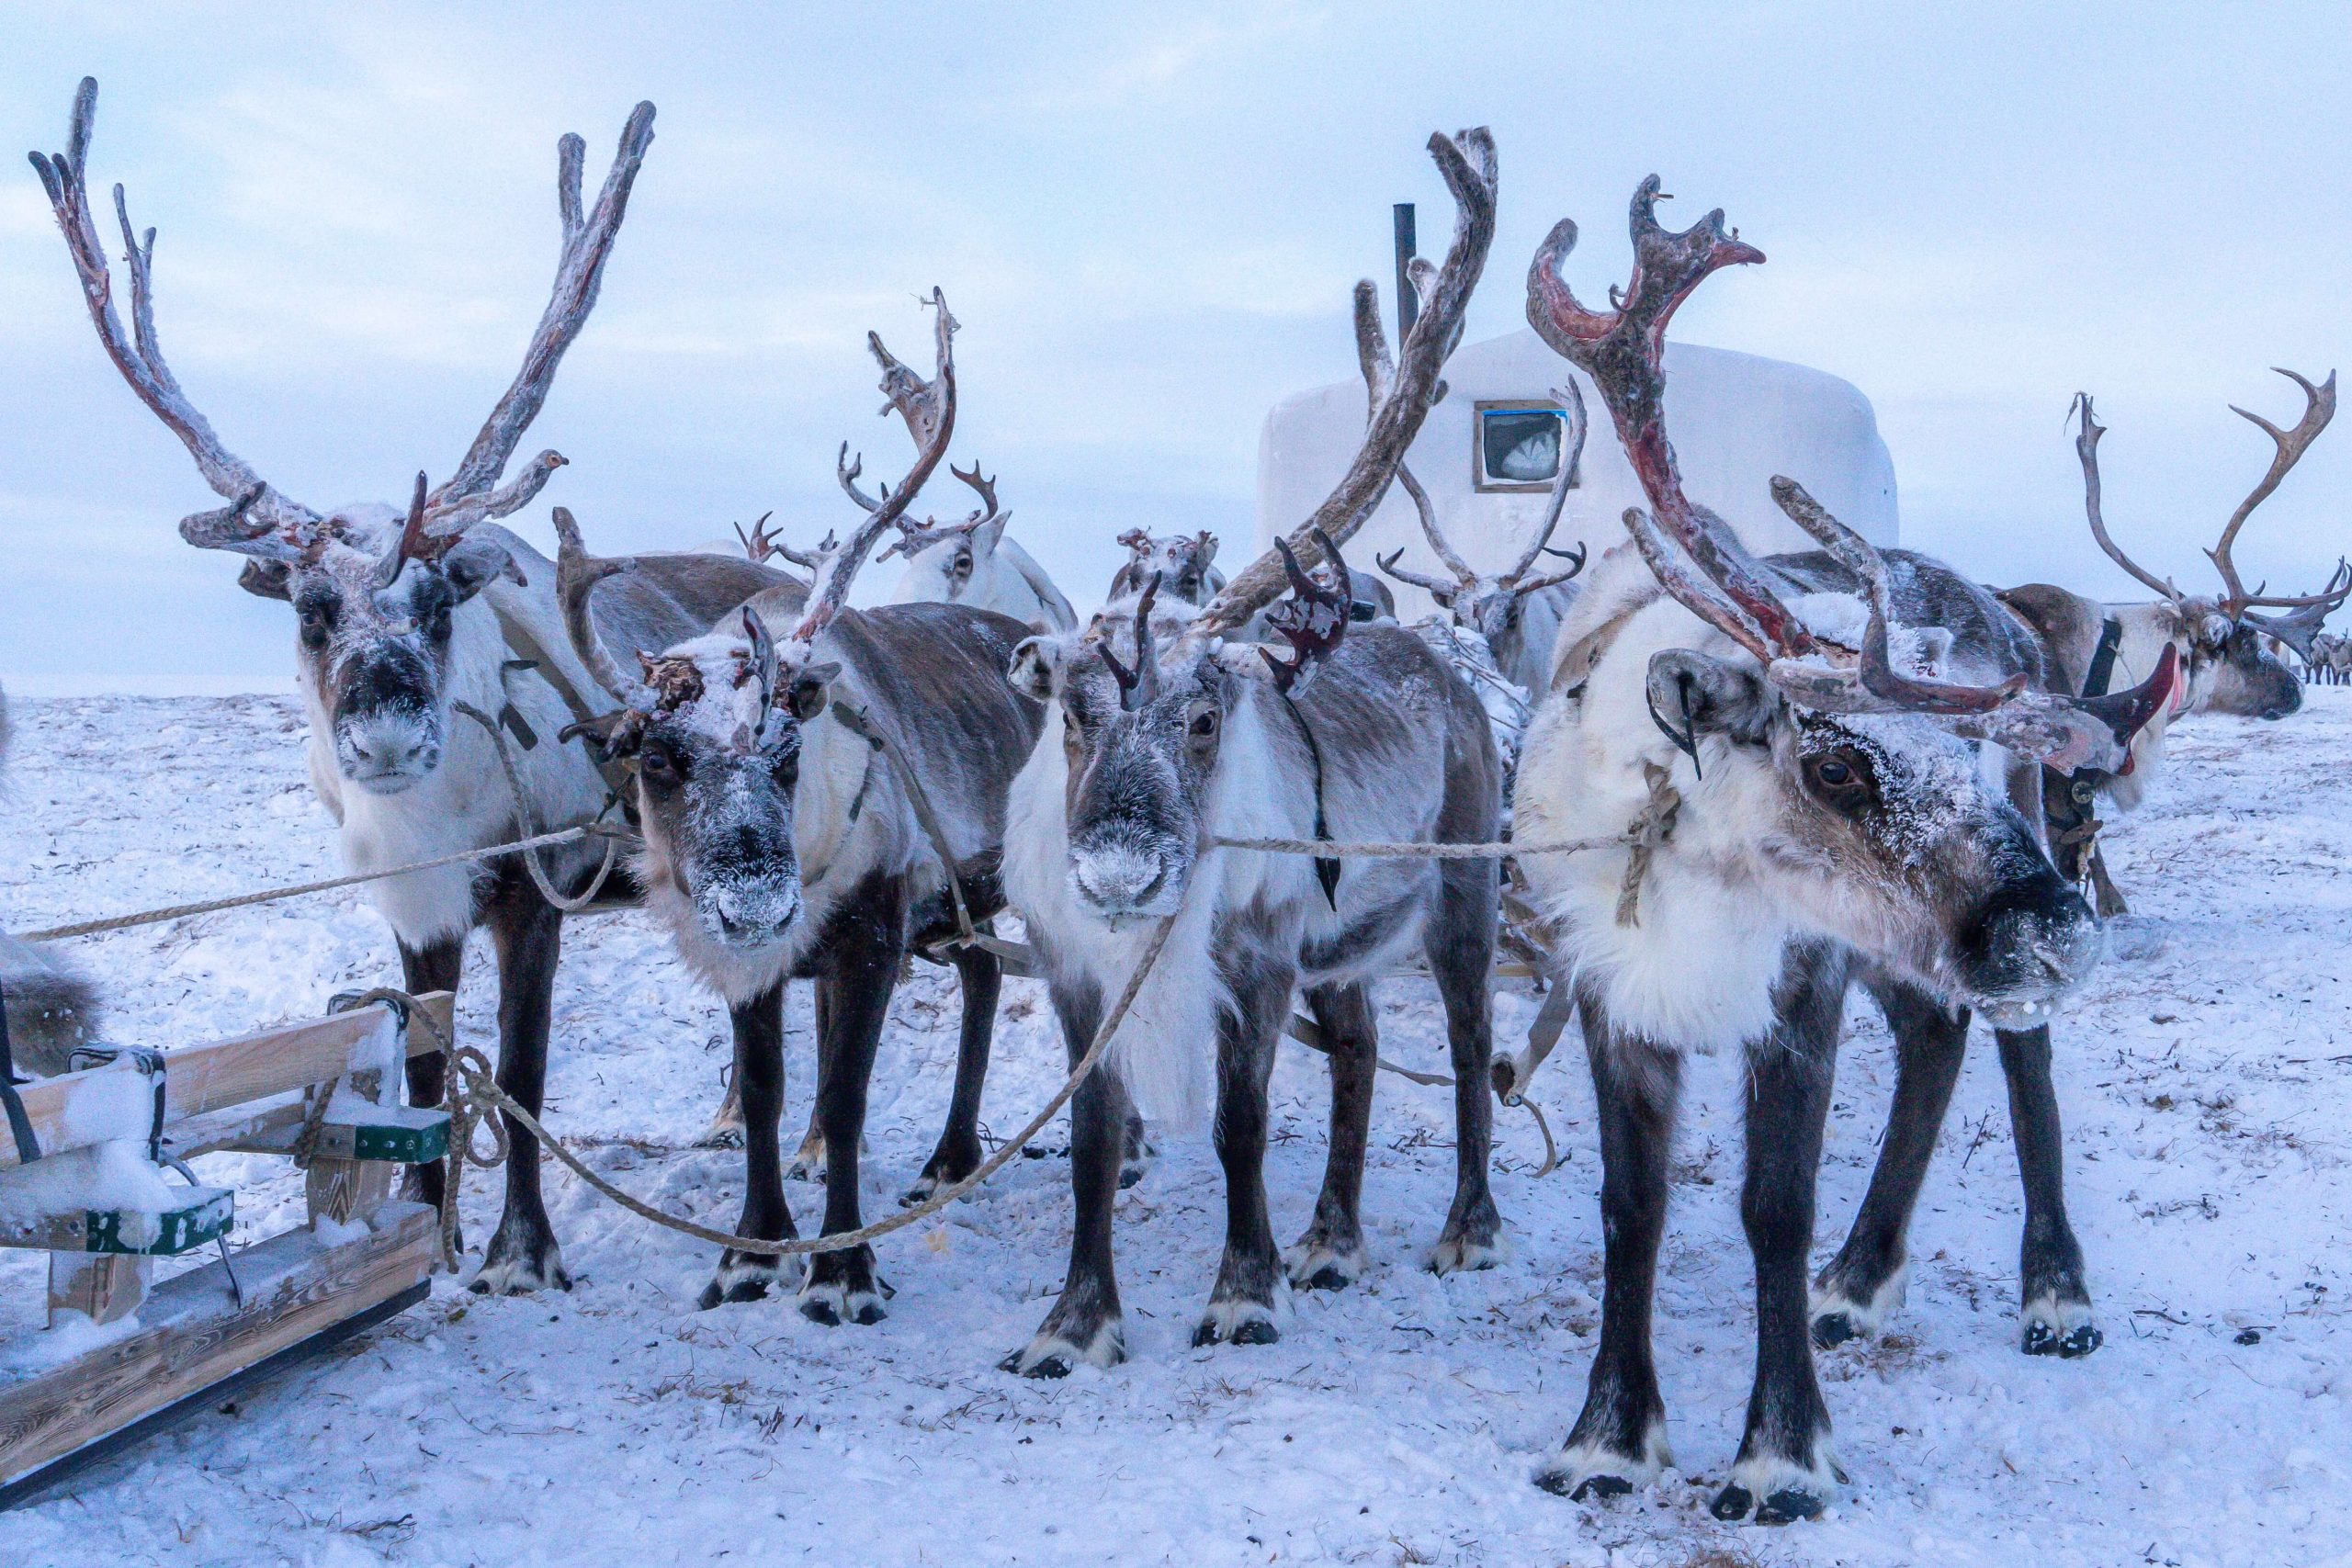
x=1053, y=1354
x=1785, y=1506
x=1051, y=1366
x=718, y=1137
x=1834, y=1329
x=512, y=1268
x=1322, y=1266
x=834, y=1303
x=2061, y=1329
x=1236, y=1323
x=1591, y=1489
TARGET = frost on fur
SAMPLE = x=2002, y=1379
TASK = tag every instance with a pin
x=52, y=1006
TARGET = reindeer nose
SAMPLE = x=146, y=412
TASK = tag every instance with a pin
x=1117, y=881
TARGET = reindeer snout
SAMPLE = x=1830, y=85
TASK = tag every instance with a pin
x=747, y=914
x=386, y=752
x=1120, y=880
x=2033, y=943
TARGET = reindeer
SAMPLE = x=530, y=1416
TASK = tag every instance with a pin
x=1112, y=825
x=1518, y=615
x=48, y=1006
x=1789, y=741
x=969, y=563
x=780, y=841
x=1184, y=563
x=2220, y=641
x=406, y=621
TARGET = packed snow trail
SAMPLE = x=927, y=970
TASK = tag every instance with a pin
x=2202, y=1076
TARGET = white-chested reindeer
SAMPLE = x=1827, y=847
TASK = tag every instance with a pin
x=1365, y=733
x=1788, y=745
x=969, y=563
x=780, y=842
x=402, y=620
x=1517, y=612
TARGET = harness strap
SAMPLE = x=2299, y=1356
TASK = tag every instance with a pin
x=858, y=722
x=1326, y=872
x=2102, y=671
x=529, y=654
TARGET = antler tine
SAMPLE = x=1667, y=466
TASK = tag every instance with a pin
x=1463, y=576
x=1571, y=398
x=2087, y=448
x=140, y=359
x=2319, y=407
x=446, y=522
x=2298, y=627
x=1693, y=591
x=576, y=573
x=928, y=410
x=985, y=489
x=412, y=545
x=580, y=271
x=762, y=660
x=1623, y=352
x=1139, y=686
x=1313, y=620
x=846, y=470
x=1466, y=160
x=1879, y=676
x=1438, y=588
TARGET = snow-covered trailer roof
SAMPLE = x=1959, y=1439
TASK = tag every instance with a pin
x=1487, y=455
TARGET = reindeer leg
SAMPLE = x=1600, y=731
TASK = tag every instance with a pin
x=864, y=944
x=1251, y=1290
x=1619, y=1441
x=1785, y=1470
x=1330, y=1254
x=1085, y=1323
x=1852, y=1296
x=527, y=933
x=1462, y=958
x=430, y=968
x=2110, y=898
x=726, y=1129
x=1138, y=1152
x=808, y=1159
x=979, y=975
x=759, y=1079
x=2057, y=1303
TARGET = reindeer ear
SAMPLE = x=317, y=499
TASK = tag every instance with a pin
x=1931, y=646
x=1037, y=667
x=985, y=536
x=2214, y=630
x=470, y=565
x=267, y=579
x=608, y=737
x=807, y=698
x=1692, y=695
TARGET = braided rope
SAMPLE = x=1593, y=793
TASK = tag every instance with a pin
x=300, y=889
x=473, y=1092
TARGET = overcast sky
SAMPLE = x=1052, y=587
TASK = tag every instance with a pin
x=1146, y=220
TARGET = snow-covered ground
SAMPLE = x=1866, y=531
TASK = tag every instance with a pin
x=2203, y=1077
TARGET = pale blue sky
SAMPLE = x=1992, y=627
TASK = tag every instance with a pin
x=1148, y=221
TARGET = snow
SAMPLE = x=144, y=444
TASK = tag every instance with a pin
x=1398, y=1421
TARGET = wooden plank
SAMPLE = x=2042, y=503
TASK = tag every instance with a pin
x=341, y=1190
x=442, y=1007
x=193, y=1335
x=200, y=1216
x=104, y=1287
x=201, y=1078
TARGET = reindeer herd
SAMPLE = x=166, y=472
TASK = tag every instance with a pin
x=1780, y=778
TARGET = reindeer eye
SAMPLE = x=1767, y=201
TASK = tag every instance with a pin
x=1204, y=724
x=659, y=763
x=1841, y=782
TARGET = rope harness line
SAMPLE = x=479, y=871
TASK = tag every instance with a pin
x=473, y=1092
x=523, y=819
x=303, y=889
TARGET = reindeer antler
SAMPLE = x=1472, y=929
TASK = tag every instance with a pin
x=1140, y=685
x=1401, y=391
x=576, y=574
x=1313, y=620
x=469, y=495
x=262, y=521
x=1623, y=351
x=915, y=537
x=1701, y=563
x=2319, y=407
x=928, y=409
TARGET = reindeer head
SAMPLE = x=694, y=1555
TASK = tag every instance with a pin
x=1185, y=565
x=2220, y=636
x=374, y=590
x=1493, y=606
x=1835, y=786
x=713, y=730
x=1146, y=745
